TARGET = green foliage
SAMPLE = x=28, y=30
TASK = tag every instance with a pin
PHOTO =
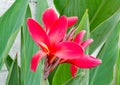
x=98, y=10
x=10, y=24
x=117, y=76
x=28, y=49
x=8, y=62
x=62, y=74
x=101, y=33
x=77, y=80
x=14, y=74
x=41, y=6
x=118, y=70
x=103, y=74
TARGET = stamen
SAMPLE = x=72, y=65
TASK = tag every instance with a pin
x=70, y=35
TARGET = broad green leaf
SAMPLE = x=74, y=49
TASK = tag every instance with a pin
x=118, y=64
x=65, y=69
x=41, y=6
x=8, y=62
x=77, y=80
x=10, y=24
x=84, y=25
x=103, y=74
x=13, y=76
x=101, y=33
x=82, y=80
x=28, y=49
x=118, y=70
x=99, y=10
x=62, y=74
x=51, y=76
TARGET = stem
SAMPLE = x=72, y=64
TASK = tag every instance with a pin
x=44, y=82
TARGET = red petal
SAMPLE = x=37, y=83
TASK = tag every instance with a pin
x=72, y=20
x=79, y=36
x=69, y=50
x=49, y=18
x=58, y=31
x=86, y=43
x=35, y=60
x=73, y=70
x=85, y=62
x=37, y=33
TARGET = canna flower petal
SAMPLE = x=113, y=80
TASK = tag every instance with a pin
x=85, y=62
x=69, y=50
x=49, y=18
x=79, y=36
x=72, y=20
x=37, y=33
x=73, y=70
x=58, y=31
x=86, y=43
x=35, y=60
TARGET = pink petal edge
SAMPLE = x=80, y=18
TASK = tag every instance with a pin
x=86, y=43
x=72, y=20
x=79, y=36
x=35, y=60
x=85, y=62
x=73, y=70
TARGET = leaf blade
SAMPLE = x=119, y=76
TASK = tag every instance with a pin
x=14, y=74
x=108, y=59
x=10, y=24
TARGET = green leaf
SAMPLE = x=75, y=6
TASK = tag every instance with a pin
x=41, y=6
x=84, y=25
x=103, y=74
x=77, y=80
x=51, y=76
x=101, y=33
x=99, y=10
x=62, y=74
x=28, y=49
x=8, y=62
x=14, y=75
x=10, y=24
x=118, y=63
x=118, y=70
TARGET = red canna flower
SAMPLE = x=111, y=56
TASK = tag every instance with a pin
x=56, y=46
x=84, y=61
